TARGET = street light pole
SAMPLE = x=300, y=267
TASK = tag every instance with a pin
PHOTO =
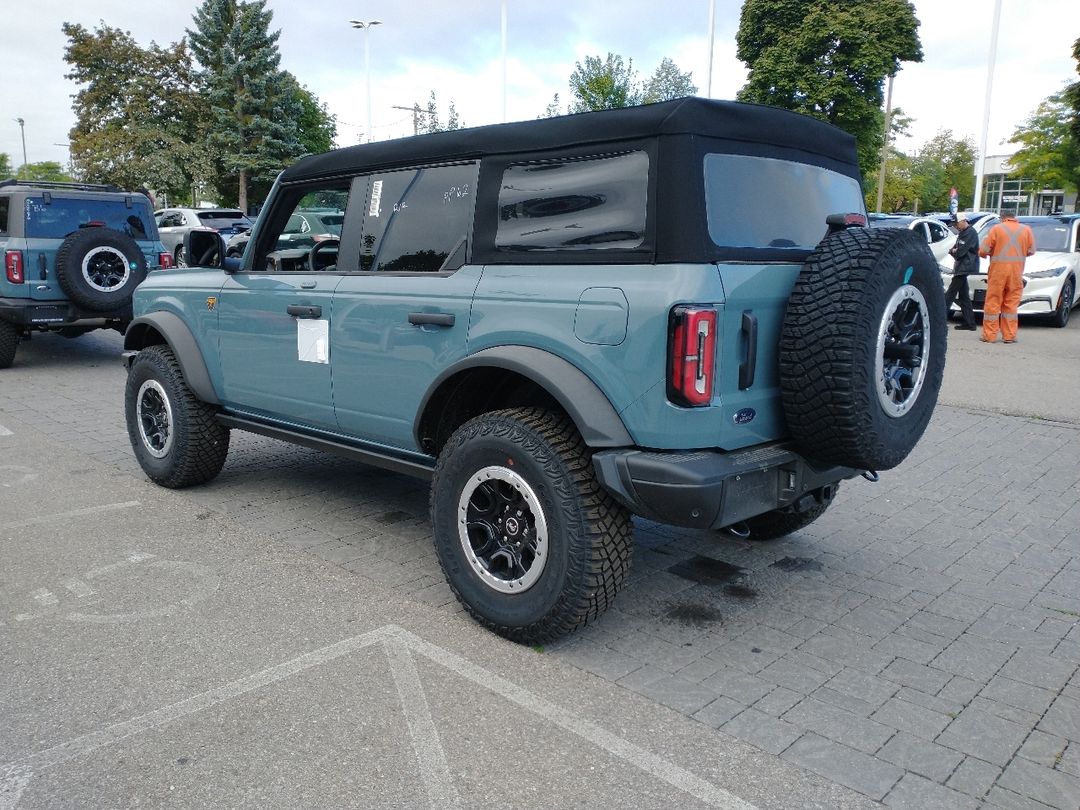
x=712, y=36
x=22, y=131
x=365, y=26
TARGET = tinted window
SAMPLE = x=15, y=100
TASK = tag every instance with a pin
x=223, y=219
x=4, y=203
x=60, y=217
x=938, y=232
x=580, y=204
x=418, y=220
x=757, y=202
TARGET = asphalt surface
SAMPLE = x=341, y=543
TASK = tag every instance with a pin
x=282, y=637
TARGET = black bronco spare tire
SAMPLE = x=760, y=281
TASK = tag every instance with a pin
x=99, y=268
x=862, y=350
x=529, y=542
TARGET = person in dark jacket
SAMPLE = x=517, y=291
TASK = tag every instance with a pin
x=966, y=262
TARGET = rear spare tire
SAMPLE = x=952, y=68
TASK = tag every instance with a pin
x=99, y=268
x=862, y=350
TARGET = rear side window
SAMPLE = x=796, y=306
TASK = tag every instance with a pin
x=223, y=219
x=757, y=202
x=4, y=205
x=60, y=217
x=574, y=204
x=418, y=220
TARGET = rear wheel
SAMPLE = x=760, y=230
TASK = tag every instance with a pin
x=529, y=542
x=175, y=437
x=780, y=522
x=9, y=342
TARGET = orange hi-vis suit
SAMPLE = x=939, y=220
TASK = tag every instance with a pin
x=1008, y=245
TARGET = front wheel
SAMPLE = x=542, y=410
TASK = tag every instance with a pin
x=529, y=542
x=1060, y=318
x=176, y=439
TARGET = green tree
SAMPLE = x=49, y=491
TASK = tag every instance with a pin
x=603, y=84
x=5, y=166
x=246, y=92
x=1072, y=99
x=48, y=171
x=828, y=60
x=317, y=128
x=426, y=120
x=667, y=83
x=945, y=162
x=1049, y=152
x=552, y=109
x=136, y=110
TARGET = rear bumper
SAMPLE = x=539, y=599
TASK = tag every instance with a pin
x=709, y=489
x=42, y=315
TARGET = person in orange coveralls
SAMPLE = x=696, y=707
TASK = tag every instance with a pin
x=1008, y=245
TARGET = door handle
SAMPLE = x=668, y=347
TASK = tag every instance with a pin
x=748, y=367
x=434, y=318
x=302, y=311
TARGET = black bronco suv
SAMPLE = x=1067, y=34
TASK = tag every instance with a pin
x=673, y=311
x=73, y=254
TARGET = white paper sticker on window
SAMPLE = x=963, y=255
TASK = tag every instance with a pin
x=313, y=340
x=376, y=199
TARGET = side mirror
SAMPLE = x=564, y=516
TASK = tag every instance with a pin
x=204, y=247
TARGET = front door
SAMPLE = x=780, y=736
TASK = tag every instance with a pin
x=405, y=316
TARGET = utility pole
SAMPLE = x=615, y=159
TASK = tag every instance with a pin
x=885, y=145
x=980, y=166
x=22, y=131
x=365, y=26
x=415, y=110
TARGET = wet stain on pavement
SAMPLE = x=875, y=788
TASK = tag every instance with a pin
x=740, y=591
x=797, y=564
x=707, y=571
x=393, y=517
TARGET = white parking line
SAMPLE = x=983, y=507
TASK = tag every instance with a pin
x=399, y=643
x=90, y=510
x=5, y=432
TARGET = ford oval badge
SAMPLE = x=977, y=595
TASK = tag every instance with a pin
x=744, y=416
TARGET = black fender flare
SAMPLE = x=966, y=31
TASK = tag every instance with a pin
x=588, y=406
x=182, y=342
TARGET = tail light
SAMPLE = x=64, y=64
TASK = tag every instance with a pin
x=692, y=355
x=13, y=264
x=165, y=260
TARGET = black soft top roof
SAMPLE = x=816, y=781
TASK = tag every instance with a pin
x=727, y=120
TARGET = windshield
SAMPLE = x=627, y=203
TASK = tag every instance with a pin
x=60, y=217
x=1049, y=234
x=757, y=202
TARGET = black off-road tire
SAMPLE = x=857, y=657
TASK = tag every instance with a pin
x=9, y=342
x=176, y=439
x=862, y=350
x=99, y=268
x=780, y=523
x=589, y=539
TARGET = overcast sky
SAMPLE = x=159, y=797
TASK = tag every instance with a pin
x=454, y=48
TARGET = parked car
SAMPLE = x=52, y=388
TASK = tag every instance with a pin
x=937, y=234
x=561, y=323
x=1051, y=288
x=73, y=254
x=303, y=229
x=174, y=223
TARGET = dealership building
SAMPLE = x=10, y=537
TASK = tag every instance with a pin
x=1005, y=191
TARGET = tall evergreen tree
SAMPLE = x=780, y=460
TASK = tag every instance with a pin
x=247, y=92
x=828, y=60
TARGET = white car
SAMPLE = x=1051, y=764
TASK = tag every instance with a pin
x=1050, y=276
x=936, y=233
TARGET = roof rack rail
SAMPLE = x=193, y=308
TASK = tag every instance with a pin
x=55, y=184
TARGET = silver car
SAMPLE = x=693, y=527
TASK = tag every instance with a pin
x=174, y=223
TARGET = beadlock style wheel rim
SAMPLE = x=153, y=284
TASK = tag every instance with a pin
x=105, y=268
x=154, y=415
x=903, y=346
x=502, y=530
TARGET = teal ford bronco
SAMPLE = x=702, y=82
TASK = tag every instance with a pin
x=73, y=254
x=673, y=311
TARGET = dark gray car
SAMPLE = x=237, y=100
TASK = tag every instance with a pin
x=174, y=223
